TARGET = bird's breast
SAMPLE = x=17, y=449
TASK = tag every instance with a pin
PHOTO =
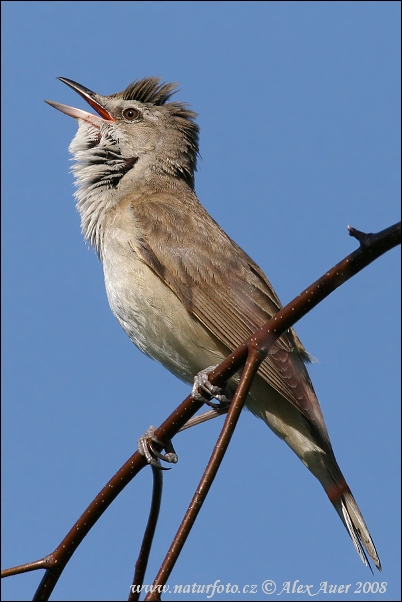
x=151, y=314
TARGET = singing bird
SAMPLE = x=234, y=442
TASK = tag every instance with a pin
x=184, y=292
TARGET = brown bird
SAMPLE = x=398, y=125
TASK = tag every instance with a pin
x=183, y=291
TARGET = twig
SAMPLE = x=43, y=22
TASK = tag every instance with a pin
x=25, y=568
x=250, y=369
x=57, y=561
x=142, y=562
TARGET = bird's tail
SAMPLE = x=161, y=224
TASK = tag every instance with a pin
x=309, y=439
x=347, y=508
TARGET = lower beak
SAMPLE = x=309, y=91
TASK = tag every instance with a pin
x=91, y=99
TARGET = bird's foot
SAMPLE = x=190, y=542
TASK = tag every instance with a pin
x=202, y=382
x=152, y=455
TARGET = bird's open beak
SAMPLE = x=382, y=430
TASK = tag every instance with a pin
x=90, y=97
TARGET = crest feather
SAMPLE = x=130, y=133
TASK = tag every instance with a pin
x=149, y=90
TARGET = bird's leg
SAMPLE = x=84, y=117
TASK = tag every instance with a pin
x=153, y=456
x=202, y=382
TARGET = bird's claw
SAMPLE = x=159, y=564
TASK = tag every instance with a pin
x=202, y=382
x=152, y=455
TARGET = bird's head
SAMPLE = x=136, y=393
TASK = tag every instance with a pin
x=135, y=137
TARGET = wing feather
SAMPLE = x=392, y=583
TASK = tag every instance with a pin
x=224, y=289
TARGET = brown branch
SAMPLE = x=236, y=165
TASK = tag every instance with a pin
x=371, y=247
x=250, y=370
x=57, y=561
x=142, y=562
x=25, y=568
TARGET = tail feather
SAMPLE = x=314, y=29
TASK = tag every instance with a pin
x=353, y=520
x=354, y=534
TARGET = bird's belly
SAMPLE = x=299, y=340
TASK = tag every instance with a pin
x=156, y=320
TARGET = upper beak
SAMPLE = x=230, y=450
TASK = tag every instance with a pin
x=90, y=97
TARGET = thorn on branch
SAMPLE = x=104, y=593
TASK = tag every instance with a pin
x=363, y=238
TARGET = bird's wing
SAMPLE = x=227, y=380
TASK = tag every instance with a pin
x=222, y=286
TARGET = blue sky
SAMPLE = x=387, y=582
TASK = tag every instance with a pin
x=299, y=109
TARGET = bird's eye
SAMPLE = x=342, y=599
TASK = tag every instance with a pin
x=131, y=114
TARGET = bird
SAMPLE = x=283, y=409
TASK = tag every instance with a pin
x=184, y=292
